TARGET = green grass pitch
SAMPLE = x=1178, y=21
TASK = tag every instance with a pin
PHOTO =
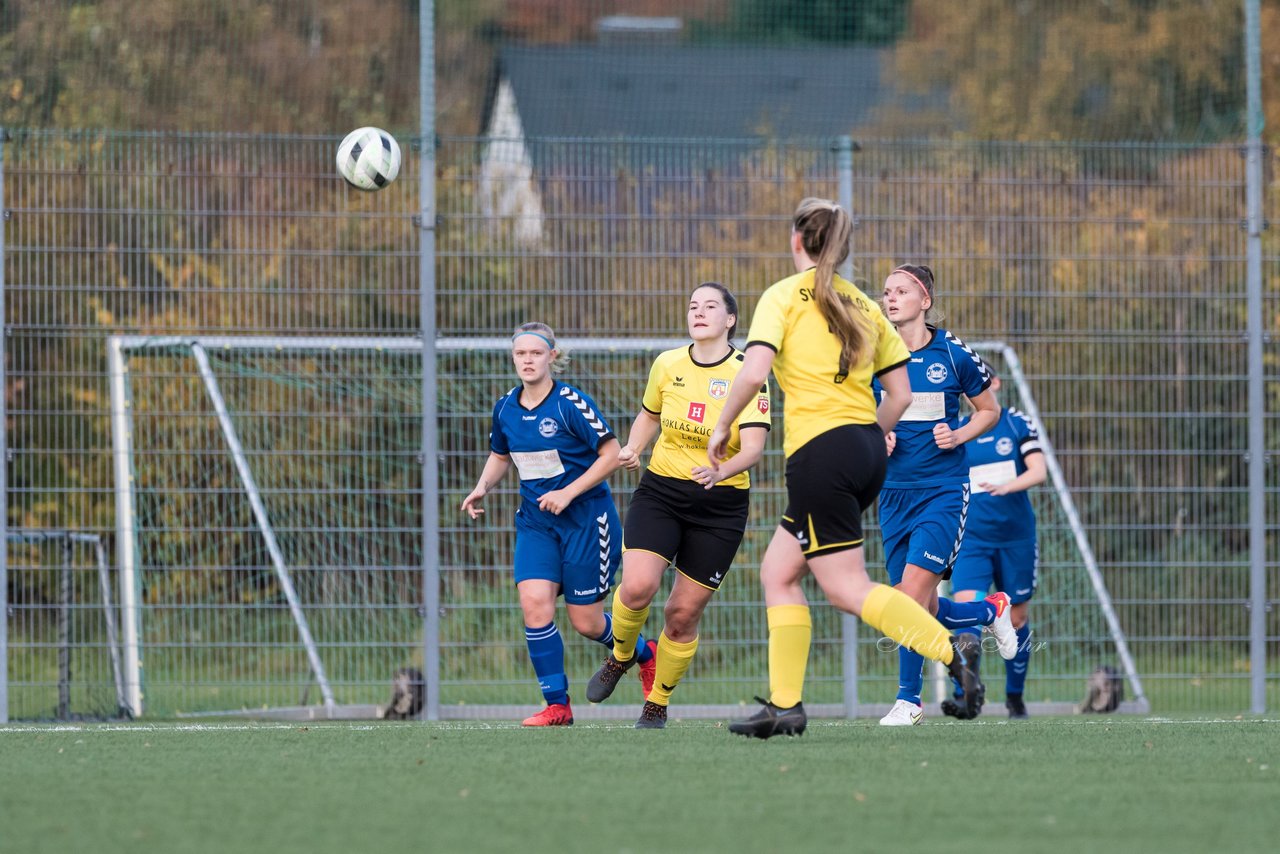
x=1044, y=785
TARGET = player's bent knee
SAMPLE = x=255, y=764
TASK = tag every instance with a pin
x=587, y=625
x=637, y=594
x=681, y=623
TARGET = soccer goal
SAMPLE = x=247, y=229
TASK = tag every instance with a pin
x=270, y=542
x=80, y=645
x=269, y=519
x=1073, y=612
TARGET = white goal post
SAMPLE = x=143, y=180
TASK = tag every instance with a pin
x=198, y=347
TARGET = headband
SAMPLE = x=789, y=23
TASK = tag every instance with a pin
x=550, y=343
x=915, y=279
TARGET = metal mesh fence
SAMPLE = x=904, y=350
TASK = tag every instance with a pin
x=1115, y=271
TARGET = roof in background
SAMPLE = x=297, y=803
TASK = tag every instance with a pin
x=667, y=90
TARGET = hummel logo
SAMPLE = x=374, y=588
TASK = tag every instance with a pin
x=667, y=688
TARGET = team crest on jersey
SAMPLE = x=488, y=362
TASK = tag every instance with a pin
x=936, y=373
x=697, y=412
x=762, y=403
x=718, y=389
x=1004, y=446
x=548, y=427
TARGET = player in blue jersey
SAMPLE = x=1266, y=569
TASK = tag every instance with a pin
x=1000, y=538
x=925, y=497
x=568, y=535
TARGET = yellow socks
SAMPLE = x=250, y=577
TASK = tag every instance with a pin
x=896, y=615
x=627, y=625
x=790, y=631
x=673, y=662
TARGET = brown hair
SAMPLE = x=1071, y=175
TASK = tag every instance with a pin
x=923, y=276
x=729, y=300
x=825, y=228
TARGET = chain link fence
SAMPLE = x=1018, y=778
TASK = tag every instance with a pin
x=1114, y=271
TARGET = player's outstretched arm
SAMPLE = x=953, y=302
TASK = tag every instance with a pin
x=643, y=429
x=1035, y=475
x=494, y=469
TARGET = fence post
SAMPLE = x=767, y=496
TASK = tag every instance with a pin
x=1257, y=400
x=848, y=623
x=427, y=323
x=4, y=468
x=65, y=595
x=126, y=554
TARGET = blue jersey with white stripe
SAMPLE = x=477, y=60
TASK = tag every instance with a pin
x=553, y=443
x=998, y=456
x=940, y=372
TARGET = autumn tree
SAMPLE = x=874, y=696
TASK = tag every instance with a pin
x=1098, y=69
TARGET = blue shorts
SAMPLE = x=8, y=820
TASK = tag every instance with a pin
x=1013, y=569
x=580, y=549
x=923, y=527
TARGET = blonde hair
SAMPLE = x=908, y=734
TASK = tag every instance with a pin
x=825, y=229
x=561, y=359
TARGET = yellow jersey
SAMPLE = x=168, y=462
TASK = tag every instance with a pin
x=818, y=397
x=687, y=398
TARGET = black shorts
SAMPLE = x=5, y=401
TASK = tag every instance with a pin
x=697, y=529
x=831, y=480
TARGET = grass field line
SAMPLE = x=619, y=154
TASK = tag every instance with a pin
x=348, y=726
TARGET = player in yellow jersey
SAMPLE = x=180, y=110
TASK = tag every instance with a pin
x=684, y=513
x=825, y=341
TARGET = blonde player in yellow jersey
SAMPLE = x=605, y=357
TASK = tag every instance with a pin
x=685, y=513
x=825, y=340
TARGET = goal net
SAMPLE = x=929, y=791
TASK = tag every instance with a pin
x=269, y=519
x=271, y=529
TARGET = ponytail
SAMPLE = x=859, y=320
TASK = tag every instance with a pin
x=825, y=229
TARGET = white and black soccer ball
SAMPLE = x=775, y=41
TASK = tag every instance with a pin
x=369, y=159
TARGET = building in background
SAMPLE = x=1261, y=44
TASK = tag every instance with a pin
x=636, y=82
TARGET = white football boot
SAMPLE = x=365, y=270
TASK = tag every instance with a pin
x=903, y=714
x=1002, y=628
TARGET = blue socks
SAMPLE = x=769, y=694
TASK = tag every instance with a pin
x=910, y=675
x=643, y=654
x=1015, y=670
x=606, y=637
x=964, y=615
x=546, y=651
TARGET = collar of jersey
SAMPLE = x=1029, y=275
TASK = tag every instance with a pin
x=933, y=336
x=715, y=364
x=520, y=390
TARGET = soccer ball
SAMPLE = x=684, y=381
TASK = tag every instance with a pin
x=368, y=159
